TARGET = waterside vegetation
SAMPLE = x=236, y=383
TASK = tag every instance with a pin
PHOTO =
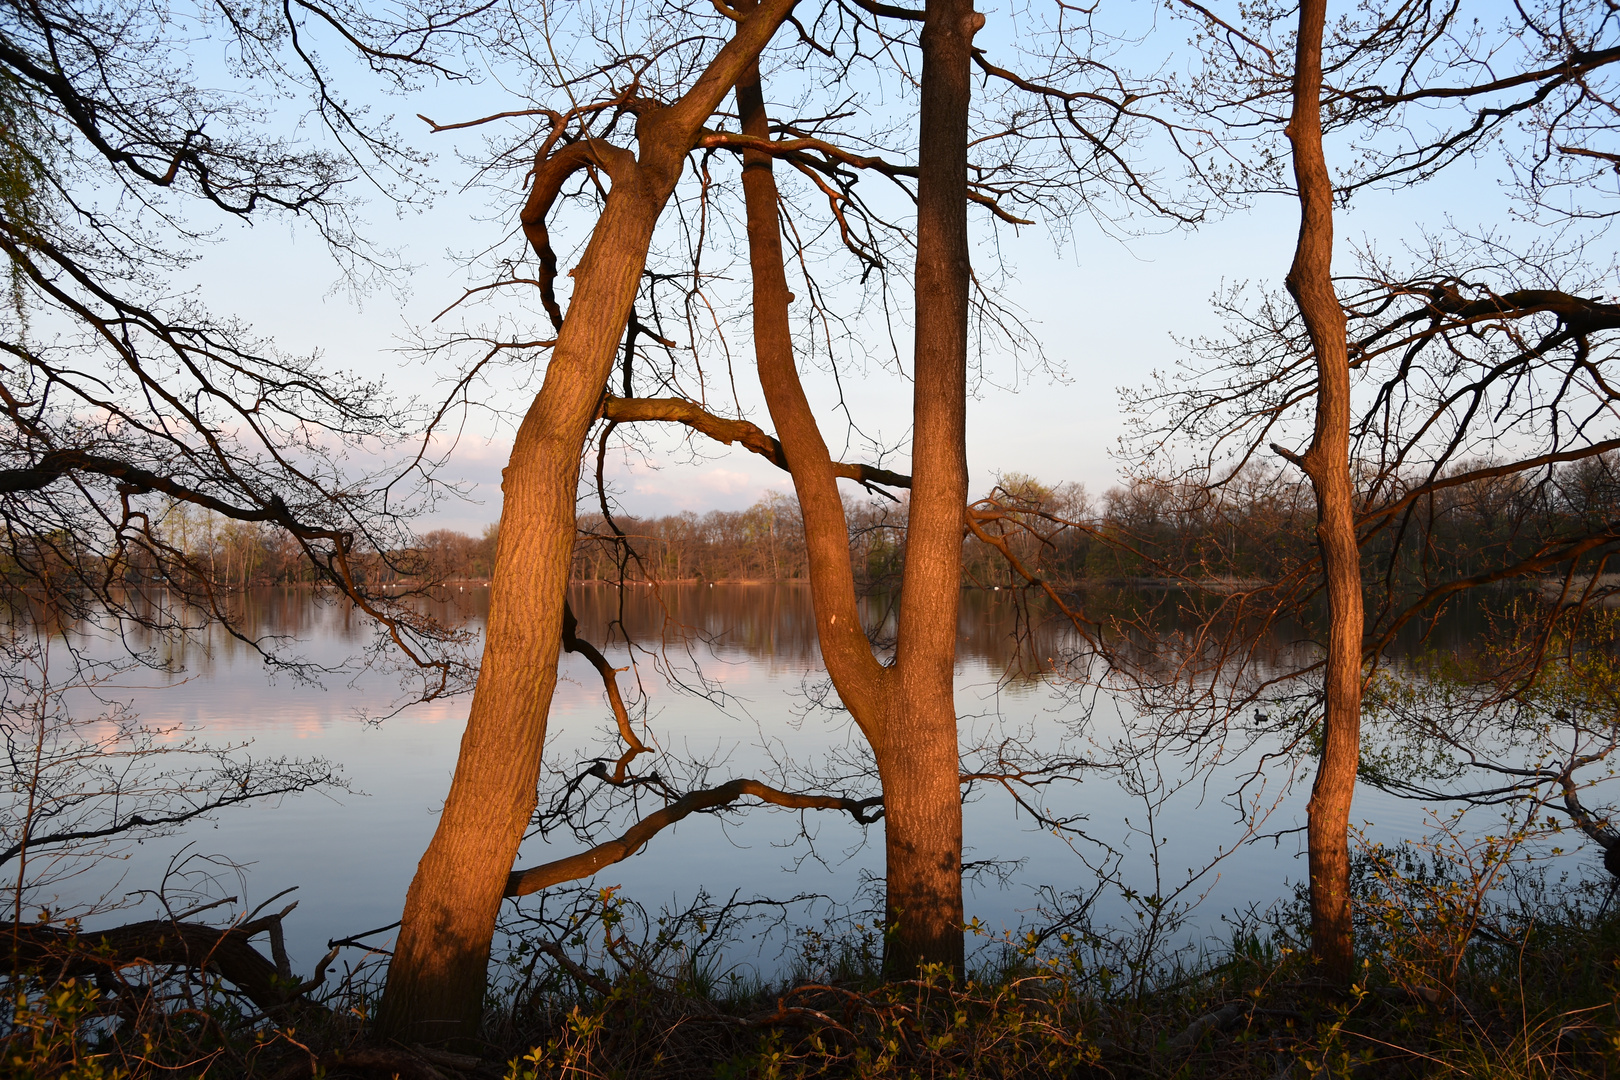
x=753, y=191
x=1455, y=982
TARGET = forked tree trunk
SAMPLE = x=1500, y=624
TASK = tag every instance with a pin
x=907, y=712
x=436, y=980
x=1327, y=463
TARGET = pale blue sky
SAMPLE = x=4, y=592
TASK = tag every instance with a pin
x=1107, y=313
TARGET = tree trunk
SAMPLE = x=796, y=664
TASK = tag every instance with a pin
x=860, y=680
x=907, y=712
x=1327, y=463
x=436, y=980
x=922, y=801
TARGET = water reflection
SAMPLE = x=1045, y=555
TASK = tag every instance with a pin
x=777, y=622
x=1017, y=632
x=353, y=858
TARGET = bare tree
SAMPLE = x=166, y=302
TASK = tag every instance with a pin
x=436, y=981
x=122, y=400
x=127, y=408
x=907, y=710
x=666, y=95
x=1327, y=462
x=1400, y=376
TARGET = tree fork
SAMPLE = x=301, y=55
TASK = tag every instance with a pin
x=435, y=988
x=908, y=711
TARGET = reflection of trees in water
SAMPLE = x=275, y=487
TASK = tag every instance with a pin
x=1157, y=629
x=279, y=623
x=777, y=622
x=1008, y=630
x=764, y=621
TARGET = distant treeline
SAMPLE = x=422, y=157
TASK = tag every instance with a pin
x=208, y=548
x=1257, y=526
x=1418, y=529
x=1253, y=528
x=766, y=542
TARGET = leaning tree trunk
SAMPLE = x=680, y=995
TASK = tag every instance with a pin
x=919, y=764
x=1327, y=463
x=436, y=980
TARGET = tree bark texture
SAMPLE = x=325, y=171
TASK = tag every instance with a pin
x=922, y=802
x=908, y=711
x=1327, y=463
x=860, y=680
x=435, y=989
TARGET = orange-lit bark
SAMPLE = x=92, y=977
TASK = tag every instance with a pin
x=435, y=988
x=1327, y=463
x=907, y=711
x=922, y=803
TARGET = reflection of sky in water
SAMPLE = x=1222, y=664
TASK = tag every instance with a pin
x=352, y=856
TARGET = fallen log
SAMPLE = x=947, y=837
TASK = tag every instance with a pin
x=60, y=953
x=1219, y=1020
x=397, y=1064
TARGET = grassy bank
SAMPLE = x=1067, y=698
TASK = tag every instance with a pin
x=1520, y=983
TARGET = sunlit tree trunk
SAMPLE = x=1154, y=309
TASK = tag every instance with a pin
x=1327, y=463
x=436, y=980
x=921, y=788
x=907, y=711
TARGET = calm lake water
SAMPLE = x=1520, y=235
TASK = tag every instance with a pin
x=725, y=675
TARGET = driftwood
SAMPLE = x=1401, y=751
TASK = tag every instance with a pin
x=1220, y=1020
x=58, y=953
x=64, y=952
x=392, y=1063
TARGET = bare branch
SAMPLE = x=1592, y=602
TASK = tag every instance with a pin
x=574, y=867
x=679, y=410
